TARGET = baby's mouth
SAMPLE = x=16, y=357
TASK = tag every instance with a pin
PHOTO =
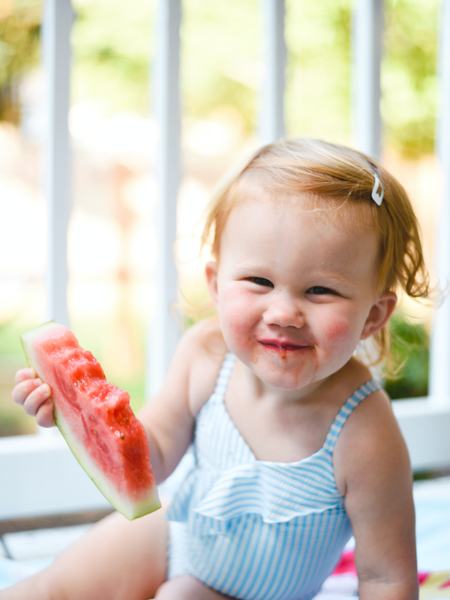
x=283, y=345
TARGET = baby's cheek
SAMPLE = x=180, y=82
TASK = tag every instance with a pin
x=337, y=330
x=234, y=313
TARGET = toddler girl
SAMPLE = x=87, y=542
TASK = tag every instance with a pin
x=294, y=446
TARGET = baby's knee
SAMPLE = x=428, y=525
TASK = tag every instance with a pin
x=183, y=587
x=169, y=589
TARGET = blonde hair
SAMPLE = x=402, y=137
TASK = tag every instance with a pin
x=331, y=172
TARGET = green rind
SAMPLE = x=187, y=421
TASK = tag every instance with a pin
x=26, y=340
x=130, y=509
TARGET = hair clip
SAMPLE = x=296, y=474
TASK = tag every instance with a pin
x=377, y=190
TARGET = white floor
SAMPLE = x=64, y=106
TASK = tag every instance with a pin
x=27, y=546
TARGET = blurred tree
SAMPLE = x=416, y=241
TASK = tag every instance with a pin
x=319, y=98
x=221, y=62
x=113, y=44
x=409, y=78
x=319, y=86
x=19, y=50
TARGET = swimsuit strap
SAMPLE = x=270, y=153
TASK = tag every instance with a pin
x=223, y=378
x=349, y=406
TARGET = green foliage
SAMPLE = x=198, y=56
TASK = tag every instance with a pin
x=13, y=420
x=221, y=60
x=19, y=51
x=410, y=346
x=114, y=44
x=409, y=76
x=9, y=340
x=318, y=37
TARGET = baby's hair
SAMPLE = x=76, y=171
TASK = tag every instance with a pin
x=344, y=178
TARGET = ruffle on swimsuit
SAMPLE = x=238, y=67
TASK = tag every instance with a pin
x=260, y=488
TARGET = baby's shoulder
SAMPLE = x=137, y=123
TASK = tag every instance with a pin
x=206, y=347
x=371, y=438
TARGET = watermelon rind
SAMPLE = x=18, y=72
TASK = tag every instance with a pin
x=131, y=509
x=27, y=339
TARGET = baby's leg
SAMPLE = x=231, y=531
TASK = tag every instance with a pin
x=117, y=559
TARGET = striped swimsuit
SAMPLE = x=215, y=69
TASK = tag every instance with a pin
x=254, y=529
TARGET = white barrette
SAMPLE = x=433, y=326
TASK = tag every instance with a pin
x=377, y=190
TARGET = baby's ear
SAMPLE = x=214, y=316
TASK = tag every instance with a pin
x=211, y=278
x=379, y=314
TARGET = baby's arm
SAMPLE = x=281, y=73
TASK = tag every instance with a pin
x=169, y=416
x=378, y=490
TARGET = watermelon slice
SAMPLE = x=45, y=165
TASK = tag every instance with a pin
x=95, y=419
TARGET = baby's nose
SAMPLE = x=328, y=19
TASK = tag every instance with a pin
x=284, y=312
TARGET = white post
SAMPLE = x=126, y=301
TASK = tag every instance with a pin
x=164, y=330
x=57, y=23
x=272, y=110
x=367, y=52
x=440, y=347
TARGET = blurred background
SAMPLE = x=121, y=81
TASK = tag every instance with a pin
x=113, y=132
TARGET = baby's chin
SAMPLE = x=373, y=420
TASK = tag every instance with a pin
x=284, y=377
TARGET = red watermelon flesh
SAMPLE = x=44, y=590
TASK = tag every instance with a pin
x=96, y=419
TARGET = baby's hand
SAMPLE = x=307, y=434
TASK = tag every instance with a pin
x=34, y=396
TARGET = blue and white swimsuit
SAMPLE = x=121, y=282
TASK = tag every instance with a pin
x=254, y=529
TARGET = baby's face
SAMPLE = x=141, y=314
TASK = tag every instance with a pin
x=295, y=290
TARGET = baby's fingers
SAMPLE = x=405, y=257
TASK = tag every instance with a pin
x=26, y=373
x=24, y=388
x=34, y=396
x=40, y=405
x=31, y=394
x=44, y=415
x=36, y=399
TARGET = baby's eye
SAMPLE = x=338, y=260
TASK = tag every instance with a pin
x=319, y=290
x=260, y=281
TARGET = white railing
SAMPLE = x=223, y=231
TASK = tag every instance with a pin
x=37, y=474
x=271, y=126
x=57, y=25
x=367, y=54
x=439, y=367
x=163, y=328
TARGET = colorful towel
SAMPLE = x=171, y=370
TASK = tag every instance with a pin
x=433, y=585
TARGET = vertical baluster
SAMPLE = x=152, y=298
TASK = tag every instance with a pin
x=367, y=52
x=440, y=347
x=57, y=24
x=163, y=327
x=272, y=97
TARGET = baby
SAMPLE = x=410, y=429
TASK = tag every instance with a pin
x=294, y=444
